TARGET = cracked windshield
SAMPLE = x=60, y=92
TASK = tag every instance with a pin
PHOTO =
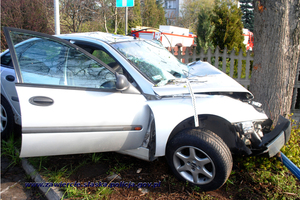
x=160, y=66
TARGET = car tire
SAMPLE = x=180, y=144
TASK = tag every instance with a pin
x=199, y=157
x=7, y=119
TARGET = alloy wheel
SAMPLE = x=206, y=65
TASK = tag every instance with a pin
x=194, y=165
x=3, y=118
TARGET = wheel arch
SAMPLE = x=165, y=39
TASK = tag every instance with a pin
x=220, y=126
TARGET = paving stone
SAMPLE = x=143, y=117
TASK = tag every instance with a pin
x=13, y=180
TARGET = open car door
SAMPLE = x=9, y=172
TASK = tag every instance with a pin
x=69, y=101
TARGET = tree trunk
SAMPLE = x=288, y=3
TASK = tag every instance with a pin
x=276, y=54
x=105, y=22
x=116, y=20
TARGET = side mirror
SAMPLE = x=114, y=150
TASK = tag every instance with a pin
x=122, y=82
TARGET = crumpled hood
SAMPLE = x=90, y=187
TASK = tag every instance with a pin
x=204, y=78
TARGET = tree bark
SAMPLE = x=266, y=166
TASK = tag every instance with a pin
x=276, y=54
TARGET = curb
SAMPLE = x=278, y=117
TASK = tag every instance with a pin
x=52, y=193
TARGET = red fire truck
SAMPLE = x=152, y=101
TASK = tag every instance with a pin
x=172, y=35
x=249, y=39
x=168, y=35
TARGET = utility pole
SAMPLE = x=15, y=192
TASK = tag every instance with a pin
x=56, y=17
x=126, y=20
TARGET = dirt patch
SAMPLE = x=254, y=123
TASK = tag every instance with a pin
x=89, y=172
x=132, y=170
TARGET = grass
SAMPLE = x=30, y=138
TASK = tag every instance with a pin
x=256, y=176
x=99, y=193
x=120, y=167
x=96, y=157
x=63, y=171
x=8, y=149
x=38, y=162
x=58, y=175
x=273, y=179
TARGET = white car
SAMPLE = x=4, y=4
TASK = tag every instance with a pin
x=99, y=92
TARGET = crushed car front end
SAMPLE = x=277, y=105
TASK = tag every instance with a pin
x=259, y=138
x=218, y=99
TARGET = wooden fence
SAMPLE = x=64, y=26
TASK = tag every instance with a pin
x=237, y=66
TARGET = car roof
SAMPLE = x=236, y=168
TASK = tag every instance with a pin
x=106, y=37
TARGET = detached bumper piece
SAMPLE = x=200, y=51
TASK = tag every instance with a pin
x=277, y=138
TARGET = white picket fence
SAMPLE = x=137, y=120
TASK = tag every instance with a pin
x=296, y=95
x=237, y=66
x=239, y=71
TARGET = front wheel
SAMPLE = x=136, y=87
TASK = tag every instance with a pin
x=199, y=157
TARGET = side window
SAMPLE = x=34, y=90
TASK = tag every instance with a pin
x=102, y=55
x=54, y=63
x=84, y=72
x=107, y=59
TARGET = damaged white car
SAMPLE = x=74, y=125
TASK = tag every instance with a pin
x=99, y=92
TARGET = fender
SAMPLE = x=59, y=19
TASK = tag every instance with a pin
x=169, y=112
x=9, y=92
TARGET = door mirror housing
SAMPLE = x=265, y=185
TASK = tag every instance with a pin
x=122, y=83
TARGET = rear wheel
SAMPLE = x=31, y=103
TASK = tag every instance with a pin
x=7, y=119
x=199, y=157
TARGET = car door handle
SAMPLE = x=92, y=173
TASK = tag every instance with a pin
x=10, y=78
x=41, y=101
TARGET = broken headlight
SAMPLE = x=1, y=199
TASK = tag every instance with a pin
x=257, y=106
x=250, y=132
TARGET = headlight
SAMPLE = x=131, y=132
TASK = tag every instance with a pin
x=257, y=106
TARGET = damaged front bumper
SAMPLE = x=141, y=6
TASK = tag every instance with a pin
x=258, y=141
x=277, y=138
